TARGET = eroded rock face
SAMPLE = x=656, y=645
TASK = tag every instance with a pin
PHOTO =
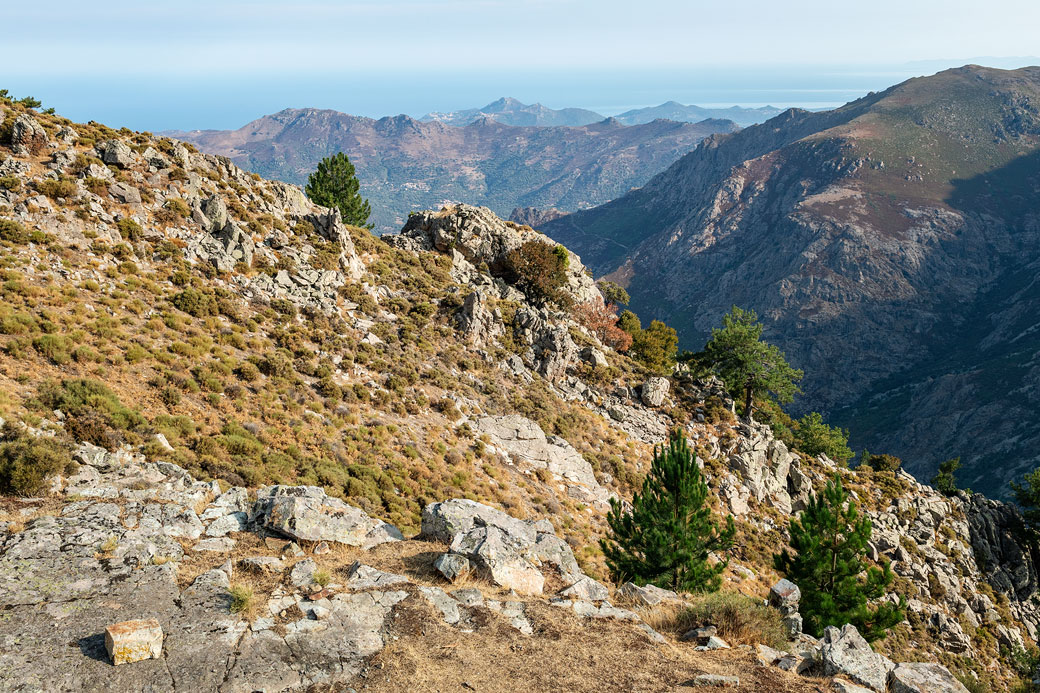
x=525, y=442
x=307, y=513
x=28, y=137
x=478, y=324
x=483, y=240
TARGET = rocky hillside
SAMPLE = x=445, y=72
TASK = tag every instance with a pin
x=890, y=245
x=406, y=165
x=248, y=447
x=509, y=111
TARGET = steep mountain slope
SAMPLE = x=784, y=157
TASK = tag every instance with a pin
x=509, y=111
x=673, y=110
x=891, y=247
x=322, y=460
x=405, y=165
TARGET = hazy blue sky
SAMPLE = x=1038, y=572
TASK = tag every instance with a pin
x=191, y=63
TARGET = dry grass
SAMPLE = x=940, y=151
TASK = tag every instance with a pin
x=565, y=654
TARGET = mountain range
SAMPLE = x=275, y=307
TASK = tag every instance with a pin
x=406, y=165
x=510, y=111
x=673, y=110
x=892, y=247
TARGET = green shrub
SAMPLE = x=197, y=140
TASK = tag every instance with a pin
x=129, y=229
x=880, y=463
x=540, y=271
x=95, y=185
x=93, y=412
x=241, y=598
x=13, y=232
x=739, y=619
x=54, y=347
x=56, y=188
x=12, y=183
x=195, y=303
x=27, y=461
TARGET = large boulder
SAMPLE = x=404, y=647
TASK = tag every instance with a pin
x=920, y=677
x=844, y=652
x=27, y=136
x=117, y=153
x=512, y=552
x=307, y=513
x=655, y=389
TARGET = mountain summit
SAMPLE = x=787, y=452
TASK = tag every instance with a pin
x=892, y=244
x=510, y=111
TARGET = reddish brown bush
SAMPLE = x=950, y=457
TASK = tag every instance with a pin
x=601, y=320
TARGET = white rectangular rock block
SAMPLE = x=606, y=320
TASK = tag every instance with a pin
x=134, y=641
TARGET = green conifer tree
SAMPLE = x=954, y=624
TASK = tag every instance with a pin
x=335, y=184
x=748, y=366
x=829, y=565
x=666, y=538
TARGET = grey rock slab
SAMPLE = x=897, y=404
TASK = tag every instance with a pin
x=647, y=595
x=844, y=652
x=588, y=589
x=920, y=677
x=714, y=681
x=362, y=577
x=307, y=513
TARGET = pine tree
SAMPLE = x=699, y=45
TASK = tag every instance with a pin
x=335, y=184
x=829, y=565
x=666, y=538
x=748, y=366
x=945, y=481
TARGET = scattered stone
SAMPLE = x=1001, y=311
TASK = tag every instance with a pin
x=302, y=574
x=362, y=577
x=221, y=544
x=263, y=564
x=125, y=193
x=714, y=643
x=134, y=641
x=842, y=686
x=321, y=548
x=448, y=607
x=116, y=152
x=452, y=566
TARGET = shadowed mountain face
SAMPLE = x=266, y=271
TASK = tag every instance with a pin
x=509, y=111
x=892, y=247
x=405, y=165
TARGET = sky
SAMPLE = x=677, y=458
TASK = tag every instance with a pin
x=193, y=64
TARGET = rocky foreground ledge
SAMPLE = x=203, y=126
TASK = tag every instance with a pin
x=142, y=578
